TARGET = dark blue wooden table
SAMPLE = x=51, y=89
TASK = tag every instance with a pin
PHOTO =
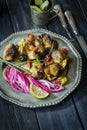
x=71, y=113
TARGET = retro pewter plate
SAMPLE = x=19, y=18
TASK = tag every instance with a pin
x=26, y=100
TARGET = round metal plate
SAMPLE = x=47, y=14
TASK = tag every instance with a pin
x=26, y=100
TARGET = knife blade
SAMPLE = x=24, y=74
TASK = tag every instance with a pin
x=79, y=37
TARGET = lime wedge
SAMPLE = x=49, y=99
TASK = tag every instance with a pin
x=34, y=7
x=37, y=92
x=44, y=5
x=38, y=2
x=3, y=74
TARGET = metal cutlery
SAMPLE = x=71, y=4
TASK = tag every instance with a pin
x=79, y=37
x=57, y=9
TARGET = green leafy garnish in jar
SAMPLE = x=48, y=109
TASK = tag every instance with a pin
x=40, y=5
x=44, y=5
x=38, y=2
x=36, y=8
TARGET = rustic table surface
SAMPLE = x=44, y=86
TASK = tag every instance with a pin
x=71, y=113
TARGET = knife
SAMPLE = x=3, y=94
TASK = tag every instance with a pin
x=79, y=37
x=57, y=9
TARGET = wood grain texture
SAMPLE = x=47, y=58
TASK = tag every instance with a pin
x=20, y=15
x=59, y=117
x=21, y=118
x=69, y=114
x=79, y=96
x=11, y=116
x=83, y=7
x=5, y=25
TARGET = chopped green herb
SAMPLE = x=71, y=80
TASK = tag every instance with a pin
x=14, y=65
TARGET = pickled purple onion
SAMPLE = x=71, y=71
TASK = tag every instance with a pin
x=16, y=79
x=21, y=81
x=46, y=85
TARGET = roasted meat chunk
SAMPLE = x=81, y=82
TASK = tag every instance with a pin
x=54, y=44
x=41, y=49
x=37, y=70
x=41, y=55
x=54, y=69
x=38, y=41
x=51, y=71
x=10, y=52
x=47, y=41
x=33, y=55
x=58, y=56
x=23, y=45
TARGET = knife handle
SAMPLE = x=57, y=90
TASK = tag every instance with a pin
x=59, y=12
x=71, y=21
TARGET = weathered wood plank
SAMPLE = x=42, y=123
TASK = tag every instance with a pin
x=79, y=104
x=57, y=117
x=5, y=25
x=60, y=117
x=79, y=95
x=5, y=30
x=12, y=116
x=83, y=7
x=20, y=118
x=3, y=120
x=20, y=15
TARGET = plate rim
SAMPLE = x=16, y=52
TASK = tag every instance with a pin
x=66, y=94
